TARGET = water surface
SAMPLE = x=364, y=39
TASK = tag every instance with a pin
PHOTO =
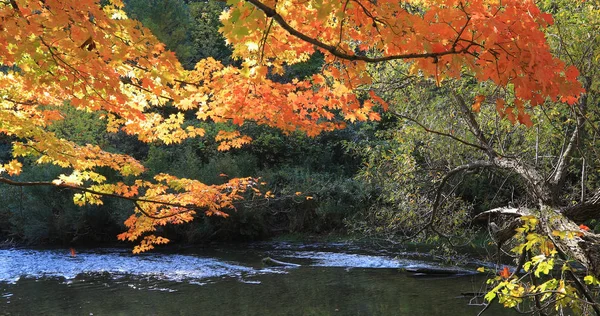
x=229, y=281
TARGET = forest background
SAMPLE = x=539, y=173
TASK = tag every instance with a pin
x=321, y=168
x=485, y=123
x=373, y=178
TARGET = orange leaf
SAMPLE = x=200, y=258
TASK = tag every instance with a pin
x=477, y=105
x=525, y=119
x=571, y=73
x=500, y=107
x=505, y=273
x=584, y=227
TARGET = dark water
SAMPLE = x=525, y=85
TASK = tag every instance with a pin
x=228, y=281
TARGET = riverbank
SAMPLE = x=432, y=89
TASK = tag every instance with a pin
x=475, y=251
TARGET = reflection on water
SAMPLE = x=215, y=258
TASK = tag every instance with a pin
x=224, y=282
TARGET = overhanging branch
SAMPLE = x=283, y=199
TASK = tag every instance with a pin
x=425, y=128
x=271, y=13
x=187, y=208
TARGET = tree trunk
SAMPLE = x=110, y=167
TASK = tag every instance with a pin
x=583, y=247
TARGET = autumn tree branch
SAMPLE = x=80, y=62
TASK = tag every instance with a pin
x=188, y=208
x=335, y=51
x=534, y=180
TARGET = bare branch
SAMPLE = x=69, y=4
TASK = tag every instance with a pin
x=437, y=132
x=440, y=188
x=473, y=125
x=534, y=180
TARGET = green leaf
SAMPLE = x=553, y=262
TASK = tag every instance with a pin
x=591, y=280
x=490, y=296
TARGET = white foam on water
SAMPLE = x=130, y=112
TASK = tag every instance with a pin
x=251, y=281
x=348, y=260
x=17, y=263
x=121, y=264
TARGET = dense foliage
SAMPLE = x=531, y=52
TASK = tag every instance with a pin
x=432, y=167
x=455, y=108
x=287, y=163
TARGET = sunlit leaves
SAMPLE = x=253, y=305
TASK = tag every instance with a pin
x=12, y=168
x=148, y=242
x=231, y=140
x=481, y=35
x=556, y=289
x=591, y=280
x=88, y=55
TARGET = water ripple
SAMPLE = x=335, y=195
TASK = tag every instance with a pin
x=348, y=260
x=18, y=263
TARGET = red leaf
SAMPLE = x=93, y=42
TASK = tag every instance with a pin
x=584, y=227
x=505, y=273
x=571, y=73
x=477, y=105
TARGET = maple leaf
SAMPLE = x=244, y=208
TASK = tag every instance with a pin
x=115, y=66
x=504, y=273
x=500, y=107
x=477, y=105
x=14, y=167
x=571, y=73
x=525, y=119
x=584, y=227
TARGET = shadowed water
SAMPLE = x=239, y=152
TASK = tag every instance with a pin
x=226, y=281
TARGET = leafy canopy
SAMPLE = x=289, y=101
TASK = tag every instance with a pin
x=87, y=54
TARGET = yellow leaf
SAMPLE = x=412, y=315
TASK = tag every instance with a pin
x=12, y=168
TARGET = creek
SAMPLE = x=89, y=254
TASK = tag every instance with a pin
x=332, y=279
